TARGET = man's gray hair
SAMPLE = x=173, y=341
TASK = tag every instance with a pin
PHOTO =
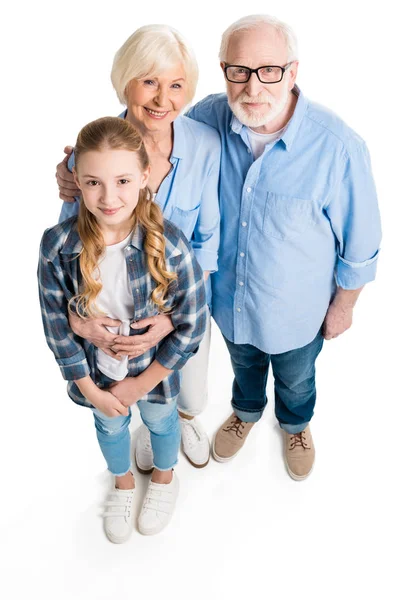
x=254, y=21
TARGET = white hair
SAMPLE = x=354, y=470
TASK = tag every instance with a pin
x=150, y=51
x=254, y=21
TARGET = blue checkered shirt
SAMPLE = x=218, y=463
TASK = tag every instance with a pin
x=59, y=280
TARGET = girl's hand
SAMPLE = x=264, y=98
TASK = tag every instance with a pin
x=108, y=404
x=128, y=391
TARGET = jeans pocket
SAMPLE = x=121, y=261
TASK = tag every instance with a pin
x=286, y=217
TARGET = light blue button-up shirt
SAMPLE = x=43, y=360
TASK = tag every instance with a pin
x=295, y=223
x=188, y=196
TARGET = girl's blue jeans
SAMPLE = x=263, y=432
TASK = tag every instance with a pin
x=115, y=440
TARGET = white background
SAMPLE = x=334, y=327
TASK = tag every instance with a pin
x=243, y=529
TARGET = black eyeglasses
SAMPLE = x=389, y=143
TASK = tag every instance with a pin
x=267, y=74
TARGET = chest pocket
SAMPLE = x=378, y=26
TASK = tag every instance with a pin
x=286, y=217
x=185, y=219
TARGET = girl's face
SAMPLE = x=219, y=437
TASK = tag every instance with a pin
x=110, y=181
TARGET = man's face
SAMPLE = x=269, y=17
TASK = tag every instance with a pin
x=254, y=103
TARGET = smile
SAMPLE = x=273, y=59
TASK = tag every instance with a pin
x=155, y=113
x=109, y=211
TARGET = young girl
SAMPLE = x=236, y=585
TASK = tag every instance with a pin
x=120, y=259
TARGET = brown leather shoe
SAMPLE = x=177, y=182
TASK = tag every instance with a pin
x=299, y=453
x=229, y=438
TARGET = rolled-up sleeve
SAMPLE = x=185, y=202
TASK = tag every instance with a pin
x=205, y=240
x=68, y=352
x=354, y=215
x=189, y=313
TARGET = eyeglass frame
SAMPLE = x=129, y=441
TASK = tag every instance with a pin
x=251, y=71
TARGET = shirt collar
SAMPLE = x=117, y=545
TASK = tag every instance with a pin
x=293, y=126
x=179, y=146
x=73, y=243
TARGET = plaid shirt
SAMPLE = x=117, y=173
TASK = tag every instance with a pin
x=60, y=277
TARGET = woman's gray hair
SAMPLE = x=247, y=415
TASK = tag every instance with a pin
x=254, y=21
x=150, y=51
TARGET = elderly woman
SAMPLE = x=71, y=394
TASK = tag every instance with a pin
x=155, y=75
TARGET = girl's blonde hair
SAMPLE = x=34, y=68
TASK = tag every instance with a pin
x=113, y=133
x=150, y=51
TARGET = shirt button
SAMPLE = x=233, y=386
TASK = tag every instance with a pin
x=244, y=224
x=248, y=190
x=248, y=150
x=242, y=254
x=241, y=283
x=238, y=309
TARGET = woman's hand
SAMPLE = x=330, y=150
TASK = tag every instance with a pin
x=128, y=391
x=95, y=332
x=133, y=346
x=65, y=179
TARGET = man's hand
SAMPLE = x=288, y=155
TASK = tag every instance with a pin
x=65, y=179
x=337, y=320
x=128, y=391
x=340, y=313
x=95, y=332
x=133, y=346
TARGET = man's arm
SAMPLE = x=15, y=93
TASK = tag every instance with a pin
x=354, y=216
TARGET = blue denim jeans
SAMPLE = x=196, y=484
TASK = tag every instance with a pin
x=294, y=374
x=115, y=440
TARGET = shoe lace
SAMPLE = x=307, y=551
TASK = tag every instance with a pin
x=147, y=444
x=192, y=434
x=237, y=426
x=299, y=439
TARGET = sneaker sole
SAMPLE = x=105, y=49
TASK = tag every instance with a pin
x=117, y=540
x=141, y=470
x=222, y=459
x=298, y=477
x=195, y=465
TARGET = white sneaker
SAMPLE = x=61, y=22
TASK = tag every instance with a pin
x=118, y=517
x=158, y=506
x=195, y=442
x=144, y=451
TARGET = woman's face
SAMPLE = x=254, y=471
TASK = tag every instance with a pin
x=154, y=102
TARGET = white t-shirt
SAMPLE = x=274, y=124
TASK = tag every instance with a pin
x=116, y=301
x=258, y=141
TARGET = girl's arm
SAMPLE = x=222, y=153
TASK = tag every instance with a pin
x=53, y=293
x=132, y=389
x=103, y=400
x=189, y=312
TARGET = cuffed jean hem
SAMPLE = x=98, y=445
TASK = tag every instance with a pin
x=293, y=428
x=248, y=416
x=130, y=470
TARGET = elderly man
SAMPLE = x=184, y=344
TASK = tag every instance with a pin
x=300, y=233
